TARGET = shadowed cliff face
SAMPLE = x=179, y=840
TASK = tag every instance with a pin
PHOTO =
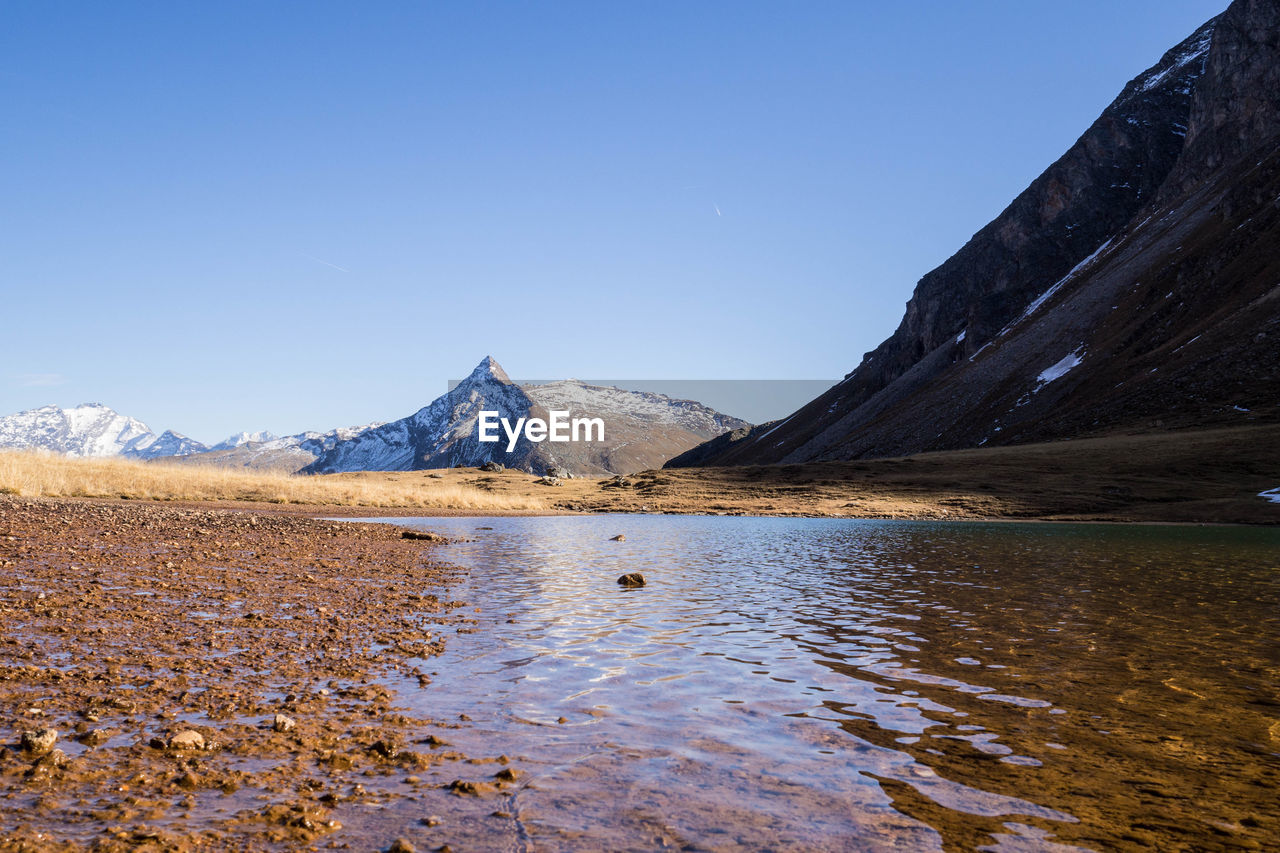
x=1236, y=107
x=998, y=342
x=1096, y=187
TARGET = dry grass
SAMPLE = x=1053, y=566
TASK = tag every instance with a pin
x=37, y=474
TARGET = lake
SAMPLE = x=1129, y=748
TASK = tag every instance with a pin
x=825, y=684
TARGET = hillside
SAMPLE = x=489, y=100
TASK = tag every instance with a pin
x=1133, y=287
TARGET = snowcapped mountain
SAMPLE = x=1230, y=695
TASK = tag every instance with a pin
x=288, y=453
x=642, y=429
x=439, y=435
x=245, y=438
x=90, y=429
x=167, y=443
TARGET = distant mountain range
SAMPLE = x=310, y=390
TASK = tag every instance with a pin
x=642, y=431
x=1133, y=287
x=91, y=429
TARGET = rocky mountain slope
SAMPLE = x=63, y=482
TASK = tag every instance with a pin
x=90, y=429
x=1134, y=286
x=642, y=430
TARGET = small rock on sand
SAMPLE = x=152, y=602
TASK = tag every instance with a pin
x=621, y=537
x=400, y=845
x=283, y=723
x=39, y=742
x=190, y=739
x=631, y=579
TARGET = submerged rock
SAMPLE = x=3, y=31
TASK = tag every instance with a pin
x=631, y=579
x=621, y=537
x=422, y=536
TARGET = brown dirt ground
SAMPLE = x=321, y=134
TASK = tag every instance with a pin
x=123, y=626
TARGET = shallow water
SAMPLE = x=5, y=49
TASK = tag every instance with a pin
x=827, y=684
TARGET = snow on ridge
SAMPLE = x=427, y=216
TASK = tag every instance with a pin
x=1194, y=51
x=1039, y=301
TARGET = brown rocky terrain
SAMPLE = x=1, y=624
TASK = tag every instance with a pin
x=178, y=678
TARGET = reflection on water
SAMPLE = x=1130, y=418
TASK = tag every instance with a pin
x=835, y=684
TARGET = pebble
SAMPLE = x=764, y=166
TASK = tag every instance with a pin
x=621, y=537
x=283, y=723
x=631, y=579
x=400, y=845
x=40, y=741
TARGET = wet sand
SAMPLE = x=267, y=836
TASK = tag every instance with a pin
x=214, y=678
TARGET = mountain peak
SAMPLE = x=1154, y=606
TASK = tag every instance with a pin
x=488, y=368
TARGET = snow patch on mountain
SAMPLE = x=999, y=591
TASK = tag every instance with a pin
x=1039, y=301
x=1059, y=369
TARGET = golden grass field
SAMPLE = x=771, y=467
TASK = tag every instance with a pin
x=1211, y=476
x=1192, y=476
x=37, y=474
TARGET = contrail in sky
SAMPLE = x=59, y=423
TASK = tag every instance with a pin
x=717, y=207
x=326, y=263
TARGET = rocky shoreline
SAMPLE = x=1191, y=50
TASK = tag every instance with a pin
x=182, y=678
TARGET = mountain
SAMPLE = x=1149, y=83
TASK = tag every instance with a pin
x=289, y=453
x=642, y=429
x=241, y=438
x=90, y=429
x=1132, y=287
x=167, y=443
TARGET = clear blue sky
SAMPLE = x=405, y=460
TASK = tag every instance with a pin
x=222, y=216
